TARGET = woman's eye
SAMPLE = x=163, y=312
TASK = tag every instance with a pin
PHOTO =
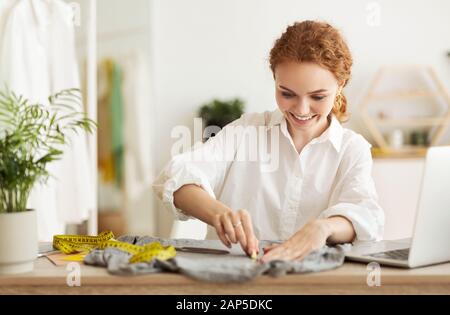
x=286, y=95
x=317, y=97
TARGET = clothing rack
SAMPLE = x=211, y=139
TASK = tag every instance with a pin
x=91, y=79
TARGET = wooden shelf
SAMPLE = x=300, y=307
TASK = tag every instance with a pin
x=411, y=121
x=373, y=124
x=404, y=152
x=404, y=94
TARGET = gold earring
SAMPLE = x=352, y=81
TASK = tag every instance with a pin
x=338, y=101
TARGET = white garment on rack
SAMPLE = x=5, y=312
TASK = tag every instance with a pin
x=5, y=8
x=138, y=112
x=37, y=59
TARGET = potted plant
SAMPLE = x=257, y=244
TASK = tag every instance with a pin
x=31, y=137
x=220, y=113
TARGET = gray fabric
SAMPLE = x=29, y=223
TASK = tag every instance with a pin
x=233, y=267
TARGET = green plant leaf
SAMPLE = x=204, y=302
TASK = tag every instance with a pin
x=31, y=137
x=221, y=112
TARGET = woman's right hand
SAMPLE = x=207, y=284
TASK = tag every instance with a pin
x=231, y=226
x=236, y=227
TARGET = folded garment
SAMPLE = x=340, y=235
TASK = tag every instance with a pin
x=232, y=267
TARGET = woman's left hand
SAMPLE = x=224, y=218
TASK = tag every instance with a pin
x=311, y=237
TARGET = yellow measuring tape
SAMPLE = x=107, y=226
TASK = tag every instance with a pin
x=81, y=245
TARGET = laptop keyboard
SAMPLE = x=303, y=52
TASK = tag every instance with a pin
x=399, y=254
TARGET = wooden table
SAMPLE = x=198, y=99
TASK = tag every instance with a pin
x=351, y=278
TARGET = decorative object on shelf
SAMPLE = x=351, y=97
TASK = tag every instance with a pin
x=394, y=117
x=217, y=114
x=396, y=139
x=31, y=136
x=419, y=138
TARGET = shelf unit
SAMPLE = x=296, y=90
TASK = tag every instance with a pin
x=374, y=124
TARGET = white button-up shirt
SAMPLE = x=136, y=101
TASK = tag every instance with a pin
x=259, y=169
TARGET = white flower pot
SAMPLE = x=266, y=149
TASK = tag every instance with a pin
x=18, y=242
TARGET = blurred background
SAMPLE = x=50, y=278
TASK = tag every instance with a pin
x=198, y=51
x=159, y=61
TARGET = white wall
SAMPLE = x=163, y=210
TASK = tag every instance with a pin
x=203, y=49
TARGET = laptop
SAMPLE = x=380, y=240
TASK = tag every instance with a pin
x=430, y=242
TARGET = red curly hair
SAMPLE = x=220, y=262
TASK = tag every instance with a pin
x=318, y=42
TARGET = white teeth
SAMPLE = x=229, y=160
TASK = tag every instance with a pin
x=302, y=118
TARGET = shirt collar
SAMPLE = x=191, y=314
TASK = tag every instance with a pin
x=333, y=133
x=275, y=118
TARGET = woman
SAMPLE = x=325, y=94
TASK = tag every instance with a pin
x=320, y=190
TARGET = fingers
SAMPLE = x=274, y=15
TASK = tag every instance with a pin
x=229, y=229
x=221, y=232
x=270, y=247
x=302, y=255
x=238, y=224
x=247, y=228
x=277, y=252
x=257, y=245
x=286, y=251
x=236, y=227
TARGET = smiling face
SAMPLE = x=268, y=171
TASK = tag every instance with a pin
x=305, y=93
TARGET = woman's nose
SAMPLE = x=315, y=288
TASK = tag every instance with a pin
x=302, y=108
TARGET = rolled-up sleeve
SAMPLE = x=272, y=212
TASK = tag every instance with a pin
x=204, y=166
x=355, y=196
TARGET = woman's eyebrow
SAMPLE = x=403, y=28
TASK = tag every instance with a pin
x=285, y=88
x=313, y=92
x=318, y=91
